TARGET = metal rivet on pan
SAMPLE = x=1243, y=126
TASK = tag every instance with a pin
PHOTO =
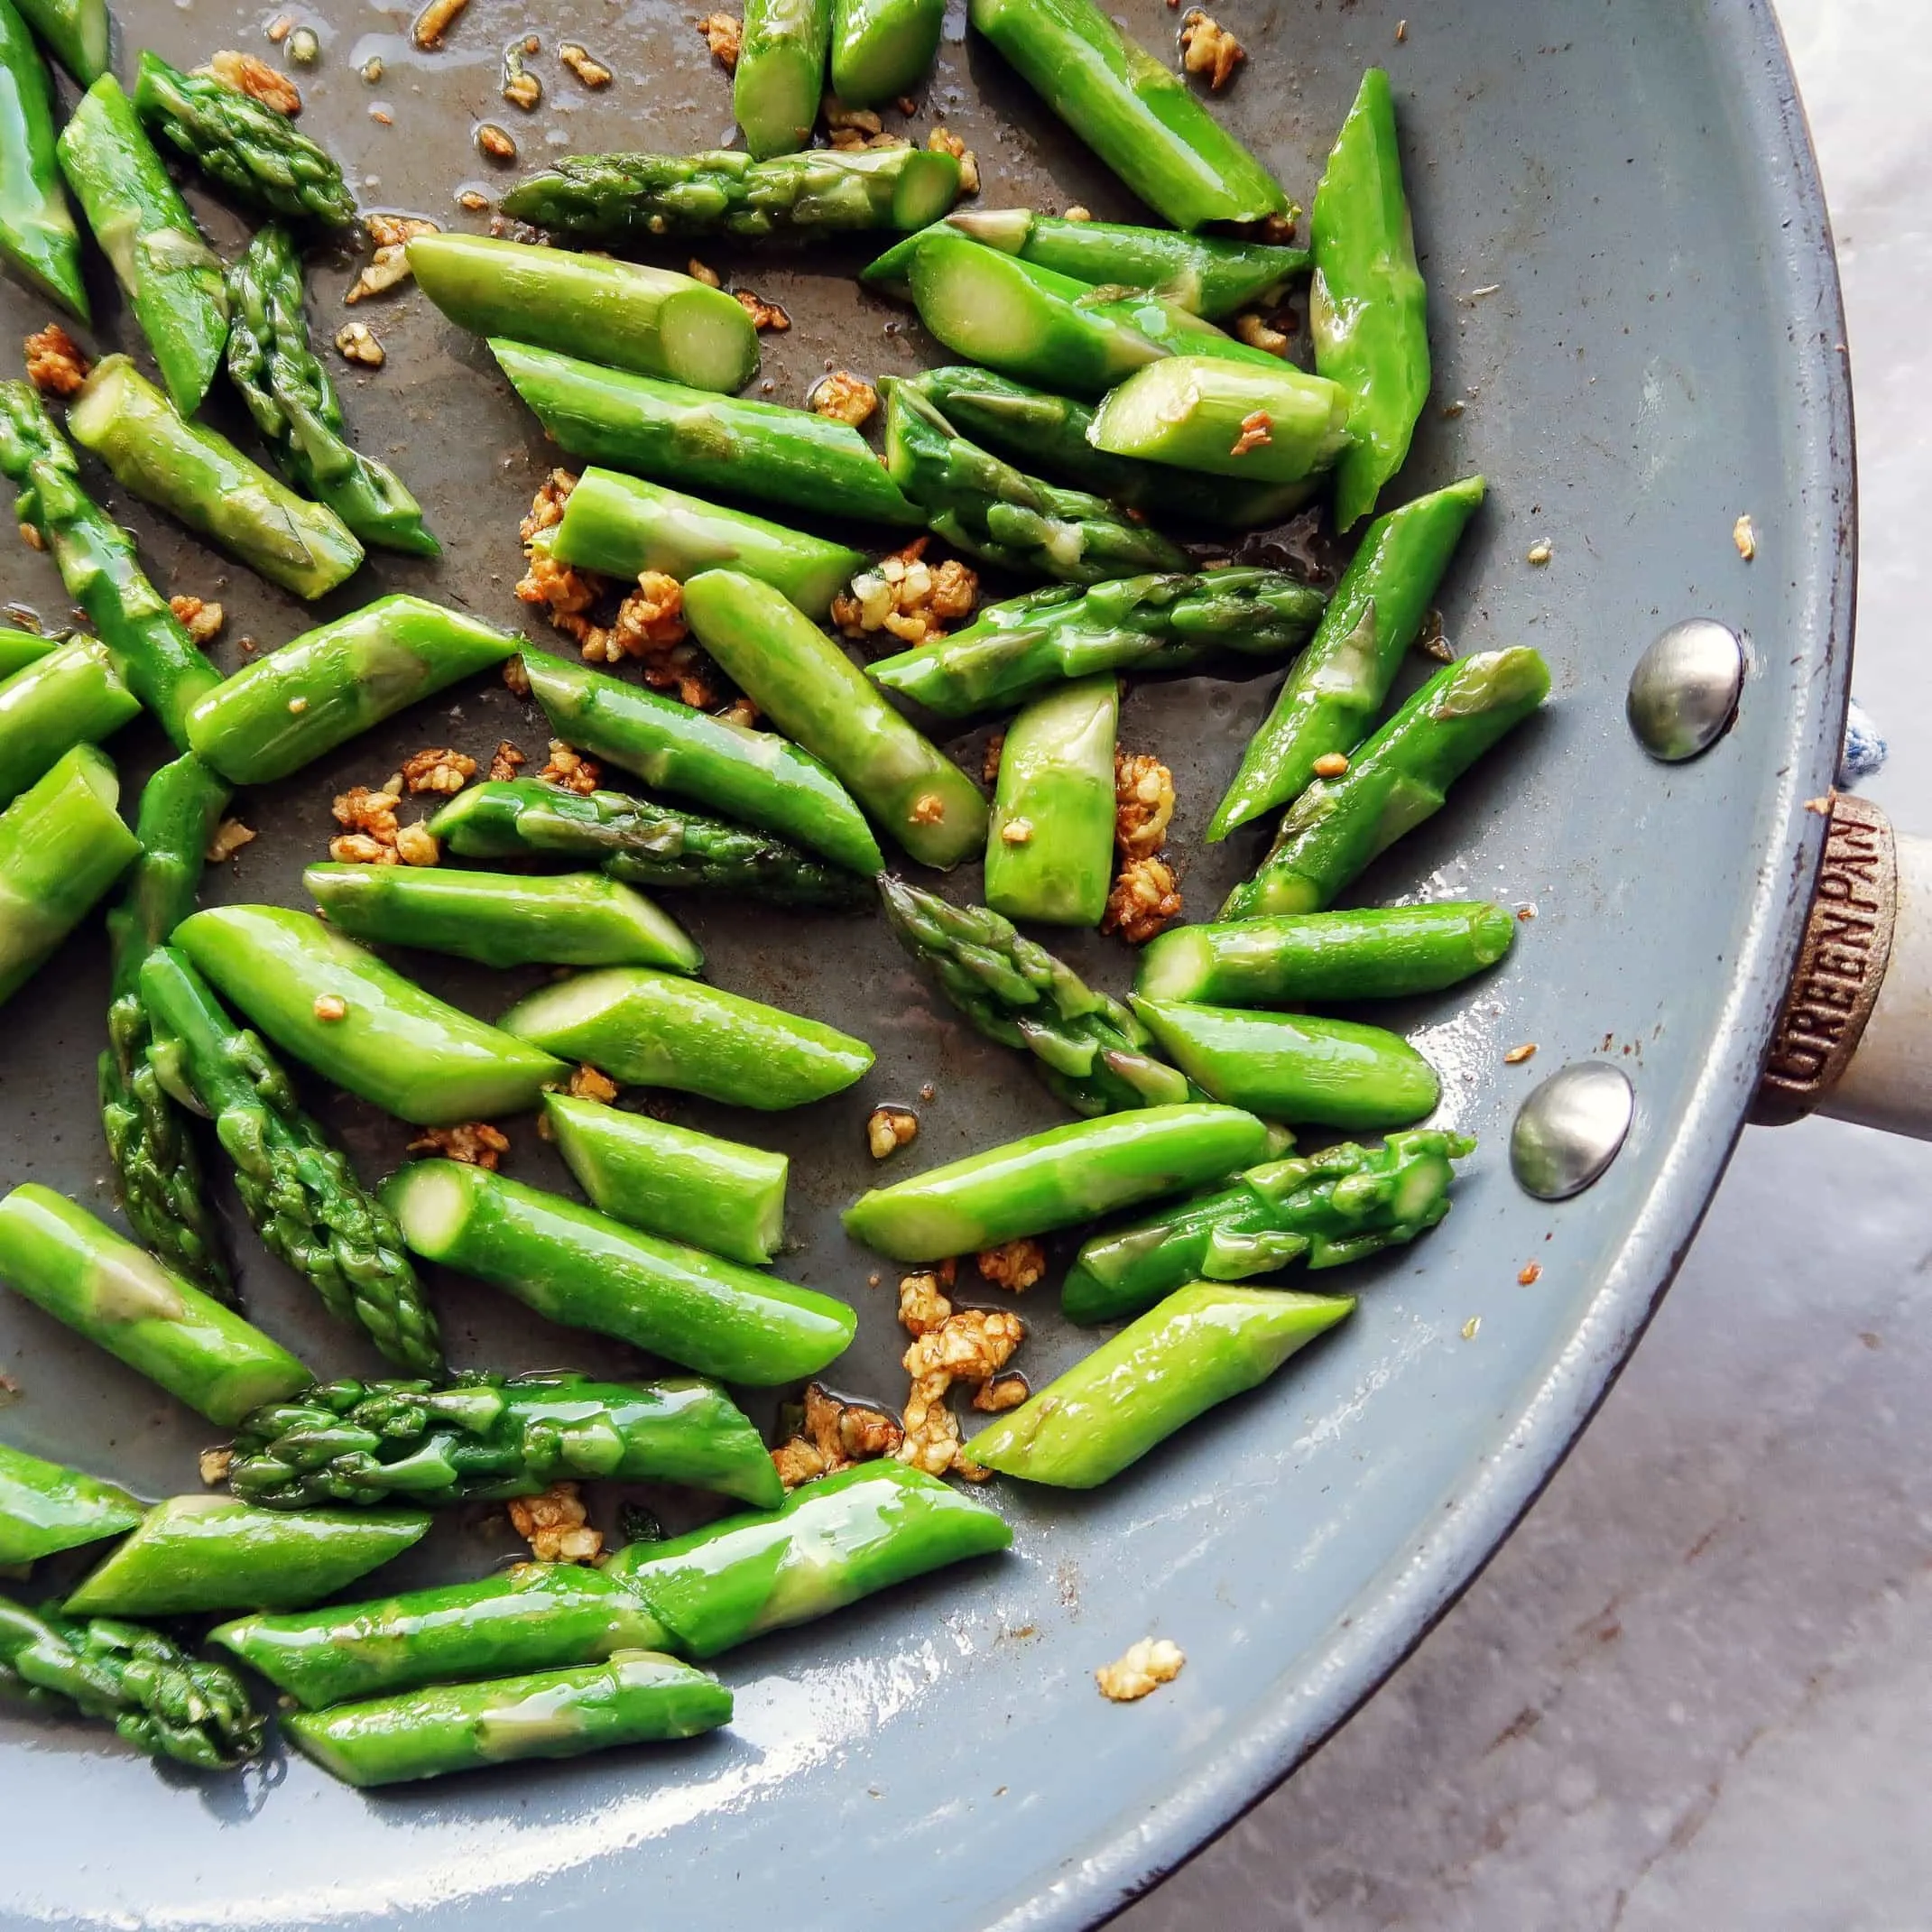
x=1684, y=691
x=1568, y=1131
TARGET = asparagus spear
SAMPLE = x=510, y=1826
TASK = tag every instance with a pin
x=655, y=1029
x=533, y=1616
x=97, y=564
x=1380, y=953
x=883, y=49
x=488, y=1436
x=280, y=711
x=199, y=477
x=37, y=232
x=1030, y=427
x=980, y=505
x=162, y=1701
x=638, y=1697
x=1132, y=110
x=668, y=1180
x=624, y=526
x=1202, y=1345
x=1368, y=310
x=1333, y=695
x=1210, y=274
x=1204, y=413
x=358, y=1021
x=746, y=448
x=754, y=776
x=585, y=1270
x=19, y=649
x=301, y=1192
x=1050, y=1180
x=199, y=1553
x=815, y=693
x=278, y=374
x=620, y=314
x=502, y=919
x=1394, y=783
x=1342, y=1205
x=82, y=1273
x=45, y=1509
x=821, y=191
x=146, y=1127
x=242, y=144
x=636, y=840
x=1016, y=651
x=172, y=279
x=75, y=32
x=61, y=846
x=781, y=73
x=73, y=695
x=1090, y=1049
x=1050, y=848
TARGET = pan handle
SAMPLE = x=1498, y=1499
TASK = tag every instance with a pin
x=1854, y=1037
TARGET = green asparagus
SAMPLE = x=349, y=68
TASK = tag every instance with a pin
x=45, y=1509
x=19, y=649
x=812, y=692
x=162, y=1701
x=75, y=32
x=288, y=392
x=1342, y=1205
x=84, y=1274
x=37, y=232
x=242, y=144
x=638, y=841
x=73, y=695
x=779, y=75
x=821, y=191
x=1395, y=781
x=1050, y=1180
x=488, y=1436
x=1203, y=1343
x=582, y=1270
x=883, y=49
x=173, y=280
x=1050, y=848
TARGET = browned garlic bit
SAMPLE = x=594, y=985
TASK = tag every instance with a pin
x=1207, y=47
x=1255, y=433
x=944, y=141
x=949, y=1345
x=698, y=272
x=442, y=771
x=590, y=71
x=915, y=601
x=724, y=33
x=833, y=1434
x=356, y=342
x=1013, y=1264
x=989, y=760
x=763, y=314
x=507, y=761
x=570, y=769
x=390, y=235
x=587, y=1084
x=435, y=21
x=555, y=1526
x=522, y=89
x=256, y=78
x=1146, y=1666
x=331, y=1007
x=55, y=364
x=200, y=619
x=1744, y=533
x=1330, y=765
x=844, y=397
x=476, y=1143
x=515, y=677
x=495, y=141
x=1541, y=553
x=996, y=1397
x=1251, y=329
x=1144, y=900
x=889, y=1129
x=230, y=836
x=1143, y=803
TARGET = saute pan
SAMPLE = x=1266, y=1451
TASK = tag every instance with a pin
x=1638, y=340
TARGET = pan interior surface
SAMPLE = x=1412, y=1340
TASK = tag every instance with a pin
x=1636, y=340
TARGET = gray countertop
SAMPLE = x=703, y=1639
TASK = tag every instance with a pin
x=1695, y=1687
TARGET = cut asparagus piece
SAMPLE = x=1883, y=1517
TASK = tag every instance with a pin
x=654, y=1029
x=621, y=314
x=82, y=1273
x=1018, y=650
x=45, y=1508
x=193, y=1554
x=710, y=1194
x=1089, y=1049
x=61, y=846
x=638, y=1697
x=37, y=231
x=883, y=49
x=73, y=695
x=821, y=191
x=1210, y=274
x=1395, y=781
x=1050, y=1180
x=583, y=1269
x=75, y=32
x=814, y=692
x=624, y=526
x=242, y=144
x=485, y=1437
x=1377, y=953
x=746, y=448
x=19, y=649
x=779, y=75
x=358, y=1023
x=754, y=776
x=276, y=714
x=1342, y=1205
x=502, y=919
x=637, y=840
x=1229, y=419
x=201, y=478
x=1137, y=115
x=1050, y=848
x=173, y=280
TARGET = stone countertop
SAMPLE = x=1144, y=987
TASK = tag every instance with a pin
x=1695, y=1687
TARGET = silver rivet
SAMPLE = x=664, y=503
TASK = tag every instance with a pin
x=1568, y=1131
x=1684, y=691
